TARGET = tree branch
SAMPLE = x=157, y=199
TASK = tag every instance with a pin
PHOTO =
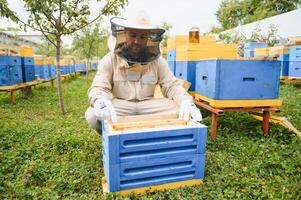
x=47, y=37
x=76, y=3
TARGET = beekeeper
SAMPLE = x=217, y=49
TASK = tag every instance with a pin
x=126, y=77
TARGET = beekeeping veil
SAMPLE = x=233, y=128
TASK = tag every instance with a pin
x=140, y=21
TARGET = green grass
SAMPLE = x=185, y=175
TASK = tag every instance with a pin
x=46, y=156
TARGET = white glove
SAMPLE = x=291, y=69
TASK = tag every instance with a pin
x=189, y=109
x=103, y=109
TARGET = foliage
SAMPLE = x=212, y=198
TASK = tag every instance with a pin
x=46, y=156
x=232, y=13
x=166, y=26
x=90, y=42
x=48, y=49
x=57, y=18
x=271, y=38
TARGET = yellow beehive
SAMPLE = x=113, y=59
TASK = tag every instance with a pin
x=40, y=60
x=261, y=52
x=278, y=50
x=26, y=51
x=176, y=41
x=295, y=40
x=197, y=52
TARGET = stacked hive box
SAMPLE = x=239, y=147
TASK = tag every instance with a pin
x=158, y=153
x=41, y=67
x=27, y=62
x=51, y=67
x=80, y=67
x=250, y=46
x=93, y=66
x=10, y=70
x=294, y=71
x=239, y=82
x=183, y=59
x=66, y=64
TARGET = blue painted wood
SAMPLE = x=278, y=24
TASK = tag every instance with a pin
x=93, y=66
x=11, y=70
x=65, y=69
x=28, y=73
x=171, y=55
x=80, y=67
x=41, y=71
x=186, y=70
x=172, y=66
x=51, y=70
x=238, y=79
x=156, y=171
x=10, y=60
x=252, y=45
x=283, y=57
x=248, y=53
x=284, y=68
x=129, y=147
x=294, y=69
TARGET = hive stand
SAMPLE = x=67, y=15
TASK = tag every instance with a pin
x=216, y=112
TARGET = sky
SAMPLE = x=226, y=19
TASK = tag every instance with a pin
x=181, y=14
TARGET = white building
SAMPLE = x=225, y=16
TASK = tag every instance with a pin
x=288, y=24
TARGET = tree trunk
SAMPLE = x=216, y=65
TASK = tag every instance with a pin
x=58, y=74
x=87, y=68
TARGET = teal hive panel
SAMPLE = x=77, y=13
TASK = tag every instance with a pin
x=41, y=71
x=283, y=57
x=284, y=68
x=238, y=79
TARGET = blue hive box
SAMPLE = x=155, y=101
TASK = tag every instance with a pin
x=140, y=157
x=238, y=79
x=51, y=70
x=10, y=70
x=65, y=69
x=41, y=71
x=284, y=68
x=294, y=69
x=172, y=66
x=295, y=53
x=80, y=67
x=28, y=73
x=186, y=70
x=94, y=66
x=171, y=55
x=283, y=57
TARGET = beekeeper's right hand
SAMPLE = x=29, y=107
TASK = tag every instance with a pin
x=103, y=109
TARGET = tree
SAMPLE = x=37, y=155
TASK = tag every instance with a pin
x=88, y=44
x=232, y=13
x=55, y=18
x=166, y=26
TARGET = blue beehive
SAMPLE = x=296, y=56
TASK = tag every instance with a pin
x=238, y=79
x=51, y=70
x=144, y=157
x=10, y=70
x=41, y=71
x=171, y=55
x=249, y=48
x=93, y=66
x=294, y=69
x=284, y=65
x=80, y=67
x=172, y=66
x=28, y=72
x=64, y=69
x=283, y=57
x=186, y=70
x=295, y=53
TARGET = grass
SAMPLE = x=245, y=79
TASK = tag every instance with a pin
x=46, y=156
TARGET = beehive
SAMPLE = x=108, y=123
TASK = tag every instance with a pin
x=141, y=151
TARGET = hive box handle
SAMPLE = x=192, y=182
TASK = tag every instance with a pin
x=249, y=79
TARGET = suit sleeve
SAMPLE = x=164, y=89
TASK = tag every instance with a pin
x=101, y=87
